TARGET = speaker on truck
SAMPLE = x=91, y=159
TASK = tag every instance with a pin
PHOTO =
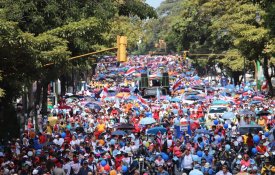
x=143, y=83
x=165, y=79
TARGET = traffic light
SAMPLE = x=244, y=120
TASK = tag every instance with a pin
x=121, y=48
x=185, y=54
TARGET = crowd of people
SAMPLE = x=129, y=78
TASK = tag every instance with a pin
x=109, y=128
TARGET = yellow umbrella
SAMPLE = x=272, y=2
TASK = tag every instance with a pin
x=123, y=94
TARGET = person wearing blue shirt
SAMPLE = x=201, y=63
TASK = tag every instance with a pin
x=207, y=156
x=148, y=113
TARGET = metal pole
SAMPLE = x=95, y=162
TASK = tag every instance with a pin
x=244, y=78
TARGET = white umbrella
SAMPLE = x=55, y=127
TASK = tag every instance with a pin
x=147, y=121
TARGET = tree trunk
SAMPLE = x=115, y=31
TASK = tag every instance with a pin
x=267, y=76
x=63, y=82
x=30, y=97
x=236, y=77
x=37, y=103
x=45, y=99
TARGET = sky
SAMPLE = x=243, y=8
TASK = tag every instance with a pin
x=154, y=3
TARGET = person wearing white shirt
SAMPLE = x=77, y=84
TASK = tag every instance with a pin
x=74, y=141
x=159, y=161
x=187, y=162
x=67, y=166
x=58, y=141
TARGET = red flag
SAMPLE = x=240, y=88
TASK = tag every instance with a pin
x=130, y=71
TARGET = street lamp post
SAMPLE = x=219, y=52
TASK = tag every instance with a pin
x=244, y=78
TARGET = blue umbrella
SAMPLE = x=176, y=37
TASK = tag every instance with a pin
x=228, y=115
x=196, y=77
x=230, y=86
x=175, y=99
x=202, y=131
x=147, y=121
x=155, y=130
x=132, y=97
x=219, y=102
x=246, y=112
x=192, y=93
x=192, y=97
x=109, y=99
x=92, y=106
x=255, y=102
x=119, y=133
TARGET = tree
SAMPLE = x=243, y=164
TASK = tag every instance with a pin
x=37, y=32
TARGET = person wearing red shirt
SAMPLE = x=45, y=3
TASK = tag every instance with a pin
x=156, y=115
x=249, y=140
x=118, y=160
x=261, y=149
x=42, y=138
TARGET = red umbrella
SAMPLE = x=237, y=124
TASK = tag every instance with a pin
x=258, y=98
x=64, y=107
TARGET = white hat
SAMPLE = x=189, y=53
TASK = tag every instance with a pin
x=207, y=165
x=35, y=171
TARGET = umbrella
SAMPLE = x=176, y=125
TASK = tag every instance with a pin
x=109, y=99
x=255, y=102
x=74, y=96
x=88, y=99
x=64, y=107
x=219, y=102
x=125, y=90
x=100, y=78
x=191, y=93
x=202, y=131
x=230, y=86
x=228, y=115
x=92, y=106
x=125, y=126
x=196, y=77
x=192, y=97
x=118, y=133
x=123, y=94
x=132, y=97
x=155, y=130
x=263, y=112
x=147, y=121
x=175, y=99
x=246, y=112
x=258, y=98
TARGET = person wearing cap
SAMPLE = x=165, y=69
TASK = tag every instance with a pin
x=207, y=156
x=268, y=168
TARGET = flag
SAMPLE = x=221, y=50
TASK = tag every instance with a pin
x=177, y=84
x=142, y=100
x=104, y=93
x=130, y=71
